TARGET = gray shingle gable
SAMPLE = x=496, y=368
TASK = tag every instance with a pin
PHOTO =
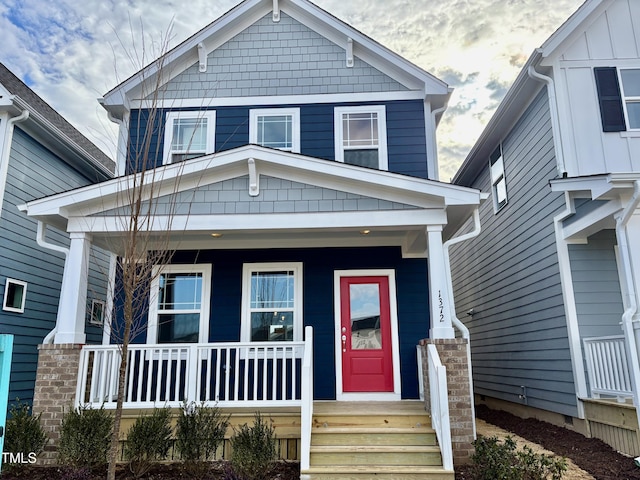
x=276, y=196
x=283, y=58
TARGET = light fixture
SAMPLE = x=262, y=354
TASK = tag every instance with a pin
x=365, y=232
x=216, y=235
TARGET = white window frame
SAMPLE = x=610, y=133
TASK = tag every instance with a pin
x=496, y=168
x=627, y=99
x=247, y=270
x=210, y=115
x=338, y=112
x=254, y=114
x=93, y=319
x=205, y=304
x=6, y=292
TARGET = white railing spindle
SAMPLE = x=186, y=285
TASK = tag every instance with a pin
x=607, y=367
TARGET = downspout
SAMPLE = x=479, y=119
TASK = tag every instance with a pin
x=628, y=323
x=56, y=248
x=555, y=122
x=457, y=323
x=435, y=175
x=121, y=145
x=6, y=152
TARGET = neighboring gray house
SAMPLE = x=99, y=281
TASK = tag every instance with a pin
x=40, y=154
x=550, y=288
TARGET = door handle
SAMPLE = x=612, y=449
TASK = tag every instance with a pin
x=344, y=343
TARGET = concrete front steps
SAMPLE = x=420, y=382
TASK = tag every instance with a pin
x=382, y=440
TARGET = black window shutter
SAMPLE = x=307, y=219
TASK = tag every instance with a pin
x=610, y=99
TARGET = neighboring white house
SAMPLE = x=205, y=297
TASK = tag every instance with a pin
x=551, y=289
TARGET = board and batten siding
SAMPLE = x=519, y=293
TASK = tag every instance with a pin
x=34, y=172
x=612, y=40
x=509, y=276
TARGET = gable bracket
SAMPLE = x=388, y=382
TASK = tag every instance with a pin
x=276, y=11
x=202, y=58
x=254, y=178
x=349, y=52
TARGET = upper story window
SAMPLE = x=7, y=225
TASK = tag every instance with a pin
x=188, y=135
x=498, y=182
x=361, y=136
x=272, y=302
x=631, y=94
x=275, y=128
x=179, y=307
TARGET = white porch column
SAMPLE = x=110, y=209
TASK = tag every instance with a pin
x=633, y=253
x=439, y=301
x=73, y=294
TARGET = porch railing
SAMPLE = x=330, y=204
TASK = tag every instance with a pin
x=226, y=374
x=607, y=367
x=440, y=405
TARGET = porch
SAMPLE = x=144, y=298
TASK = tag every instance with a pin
x=609, y=410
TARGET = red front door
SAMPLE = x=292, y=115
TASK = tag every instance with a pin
x=365, y=334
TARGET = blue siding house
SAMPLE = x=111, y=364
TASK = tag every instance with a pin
x=295, y=182
x=40, y=154
x=550, y=289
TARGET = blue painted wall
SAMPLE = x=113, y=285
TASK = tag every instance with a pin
x=318, y=285
x=406, y=137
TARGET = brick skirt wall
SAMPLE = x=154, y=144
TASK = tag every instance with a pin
x=55, y=390
x=453, y=355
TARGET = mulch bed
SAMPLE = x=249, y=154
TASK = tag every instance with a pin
x=281, y=471
x=590, y=454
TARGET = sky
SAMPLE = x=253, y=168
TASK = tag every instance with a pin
x=71, y=52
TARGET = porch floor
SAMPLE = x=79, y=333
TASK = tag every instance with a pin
x=385, y=440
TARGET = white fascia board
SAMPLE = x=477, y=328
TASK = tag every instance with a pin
x=210, y=102
x=569, y=30
x=602, y=186
x=365, y=47
x=266, y=222
x=179, y=58
x=221, y=166
x=585, y=226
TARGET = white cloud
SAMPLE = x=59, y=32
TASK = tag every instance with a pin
x=72, y=52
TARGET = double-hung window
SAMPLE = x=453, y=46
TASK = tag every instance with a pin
x=361, y=136
x=275, y=128
x=179, y=307
x=498, y=182
x=631, y=93
x=188, y=134
x=272, y=302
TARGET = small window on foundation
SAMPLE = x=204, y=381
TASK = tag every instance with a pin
x=97, y=312
x=15, y=293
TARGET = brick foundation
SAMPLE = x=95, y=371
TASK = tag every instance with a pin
x=55, y=390
x=453, y=355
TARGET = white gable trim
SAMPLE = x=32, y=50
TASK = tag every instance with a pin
x=248, y=12
x=233, y=163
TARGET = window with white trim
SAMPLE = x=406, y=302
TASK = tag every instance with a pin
x=498, y=182
x=630, y=81
x=96, y=315
x=179, y=307
x=275, y=128
x=361, y=136
x=15, y=295
x=188, y=134
x=272, y=302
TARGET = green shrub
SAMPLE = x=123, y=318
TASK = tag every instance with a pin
x=148, y=441
x=496, y=460
x=24, y=434
x=199, y=432
x=253, y=449
x=85, y=437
